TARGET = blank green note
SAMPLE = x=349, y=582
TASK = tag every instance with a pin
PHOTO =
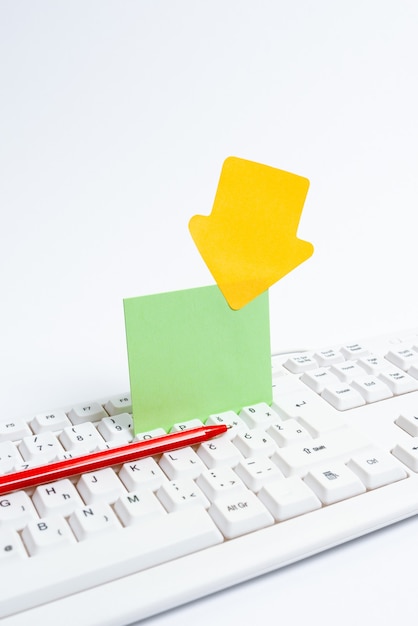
x=191, y=355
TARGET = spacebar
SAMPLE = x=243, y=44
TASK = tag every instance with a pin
x=44, y=578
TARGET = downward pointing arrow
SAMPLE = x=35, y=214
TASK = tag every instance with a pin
x=249, y=240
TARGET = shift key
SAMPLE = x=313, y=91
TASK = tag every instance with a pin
x=297, y=460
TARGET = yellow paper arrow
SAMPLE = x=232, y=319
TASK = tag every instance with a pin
x=249, y=240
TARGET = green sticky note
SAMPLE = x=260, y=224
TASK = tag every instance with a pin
x=191, y=355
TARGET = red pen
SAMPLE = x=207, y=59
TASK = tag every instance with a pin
x=98, y=460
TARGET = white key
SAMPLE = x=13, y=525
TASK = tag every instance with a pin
x=92, y=520
x=150, y=434
x=239, y=513
x=402, y=357
x=300, y=363
x=13, y=430
x=373, y=364
x=338, y=444
x=83, y=437
x=118, y=428
x=180, y=426
x=259, y=415
x=408, y=453
x=182, y=463
x=142, y=473
x=413, y=371
x=47, y=534
x=100, y=486
x=57, y=498
x=256, y=472
x=408, y=421
x=398, y=381
x=42, y=448
x=119, y=404
x=255, y=442
x=334, y=483
x=90, y=412
x=376, y=468
x=309, y=409
x=177, y=494
x=354, y=351
x=371, y=388
x=138, y=506
x=231, y=419
x=56, y=420
x=11, y=547
x=288, y=498
x=219, y=451
x=219, y=481
x=318, y=379
x=347, y=371
x=161, y=539
x=287, y=432
x=343, y=397
x=328, y=357
x=9, y=457
x=16, y=510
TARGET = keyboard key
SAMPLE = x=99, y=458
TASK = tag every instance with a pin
x=165, y=538
x=137, y=506
x=255, y=442
x=118, y=428
x=11, y=547
x=13, y=430
x=408, y=453
x=371, y=388
x=47, y=534
x=373, y=364
x=259, y=415
x=150, y=434
x=318, y=379
x=219, y=481
x=376, y=468
x=288, y=498
x=309, y=409
x=256, y=472
x=334, y=445
x=288, y=432
x=354, y=351
x=91, y=412
x=231, y=419
x=398, y=382
x=16, y=510
x=178, y=494
x=40, y=449
x=328, y=357
x=402, y=357
x=180, y=426
x=182, y=463
x=83, y=438
x=53, y=421
x=100, y=486
x=343, y=397
x=239, y=513
x=336, y=482
x=408, y=421
x=347, y=371
x=92, y=520
x=57, y=498
x=219, y=451
x=142, y=473
x=9, y=457
x=119, y=404
x=300, y=363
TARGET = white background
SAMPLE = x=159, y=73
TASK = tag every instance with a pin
x=115, y=119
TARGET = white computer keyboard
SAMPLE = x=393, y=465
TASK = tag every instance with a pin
x=335, y=457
